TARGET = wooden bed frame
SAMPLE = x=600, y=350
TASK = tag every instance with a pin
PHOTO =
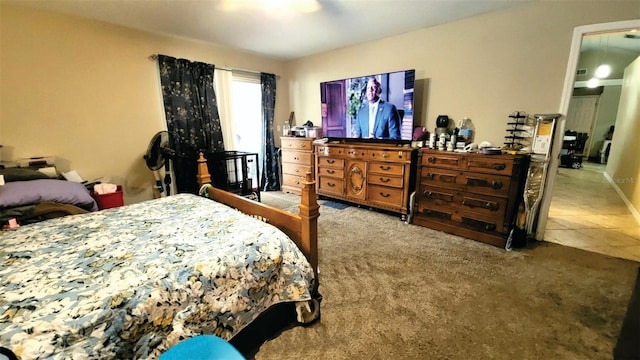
x=302, y=228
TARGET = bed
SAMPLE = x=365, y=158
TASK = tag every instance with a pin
x=130, y=282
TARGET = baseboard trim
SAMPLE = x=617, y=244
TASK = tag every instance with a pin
x=624, y=198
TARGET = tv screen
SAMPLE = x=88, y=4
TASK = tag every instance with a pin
x=378, y=106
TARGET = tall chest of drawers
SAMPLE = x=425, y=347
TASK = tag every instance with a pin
x=376, y=175
x=297, y=160
x=469, y=194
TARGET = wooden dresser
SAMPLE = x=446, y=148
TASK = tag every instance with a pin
x=297, y=160
x=375, y=175
x=469, y=194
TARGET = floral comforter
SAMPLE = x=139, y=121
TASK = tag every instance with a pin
x=130, y=282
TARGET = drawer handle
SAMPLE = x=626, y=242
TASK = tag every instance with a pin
x=330, y=161
x=499, y=166
x=385, y=168
x=496, y=184
x=297, y=170
x=331, y=184
x=428, y=193
x=295, y=158
x=303, y=145
x=490, y=227
x=385, y=195
x=385, y=155
x=431, y=175
x=385, y=180
x=431, y=159
x=329, y=171
x=297, y=182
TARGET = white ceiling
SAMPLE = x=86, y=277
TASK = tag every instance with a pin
x=624, y=41
x=271, y=27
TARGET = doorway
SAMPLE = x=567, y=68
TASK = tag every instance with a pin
x=556, y=183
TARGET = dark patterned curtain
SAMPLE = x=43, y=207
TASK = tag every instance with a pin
x=270, y=172
x=192, y=116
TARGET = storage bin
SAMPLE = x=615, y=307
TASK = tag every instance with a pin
x=111, y=200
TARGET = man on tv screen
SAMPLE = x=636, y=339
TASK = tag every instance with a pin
x=378, y=119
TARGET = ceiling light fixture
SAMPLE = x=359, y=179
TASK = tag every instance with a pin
x=603, y=71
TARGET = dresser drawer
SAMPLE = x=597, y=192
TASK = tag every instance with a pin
x=329, y=171
x=329, y=151
x=295, y=169
x=356, y=153
x=489, y=165
x=330, y=185
x=381, y=179
x=297, y=157
x=483, y=204
x=434, y=198
x=462, y=219
x=473, y=182
x=292, y=180
x=442, y=160
x=386, y=168
x=389, y=155
x=488, y=184
x=296, y=144
x=384, y=194
x=324, y=161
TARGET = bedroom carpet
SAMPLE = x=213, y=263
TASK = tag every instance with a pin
x=398, y=291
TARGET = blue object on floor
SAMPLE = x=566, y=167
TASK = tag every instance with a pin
x=202, y=347
x=335, y=205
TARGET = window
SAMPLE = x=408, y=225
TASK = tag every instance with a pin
x=247, y=113
x=239, y=96
x=247, y=118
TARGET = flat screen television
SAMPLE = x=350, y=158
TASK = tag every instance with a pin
x=344, y=107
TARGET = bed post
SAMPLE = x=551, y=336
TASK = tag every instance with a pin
x=309, y=214
x=203, y=171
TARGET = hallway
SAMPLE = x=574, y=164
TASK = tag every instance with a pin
x=587, y=213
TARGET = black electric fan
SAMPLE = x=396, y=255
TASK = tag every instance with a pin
x=159, y=154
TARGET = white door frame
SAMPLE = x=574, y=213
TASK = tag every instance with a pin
x=567, y=92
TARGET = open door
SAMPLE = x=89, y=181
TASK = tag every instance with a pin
x=567, y=93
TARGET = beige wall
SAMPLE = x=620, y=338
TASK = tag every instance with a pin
x=86, y=92
x=483, y=67
x=624, y=159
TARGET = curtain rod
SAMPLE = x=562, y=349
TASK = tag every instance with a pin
x=154, y=57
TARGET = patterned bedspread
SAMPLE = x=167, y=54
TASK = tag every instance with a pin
x=130, y=282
